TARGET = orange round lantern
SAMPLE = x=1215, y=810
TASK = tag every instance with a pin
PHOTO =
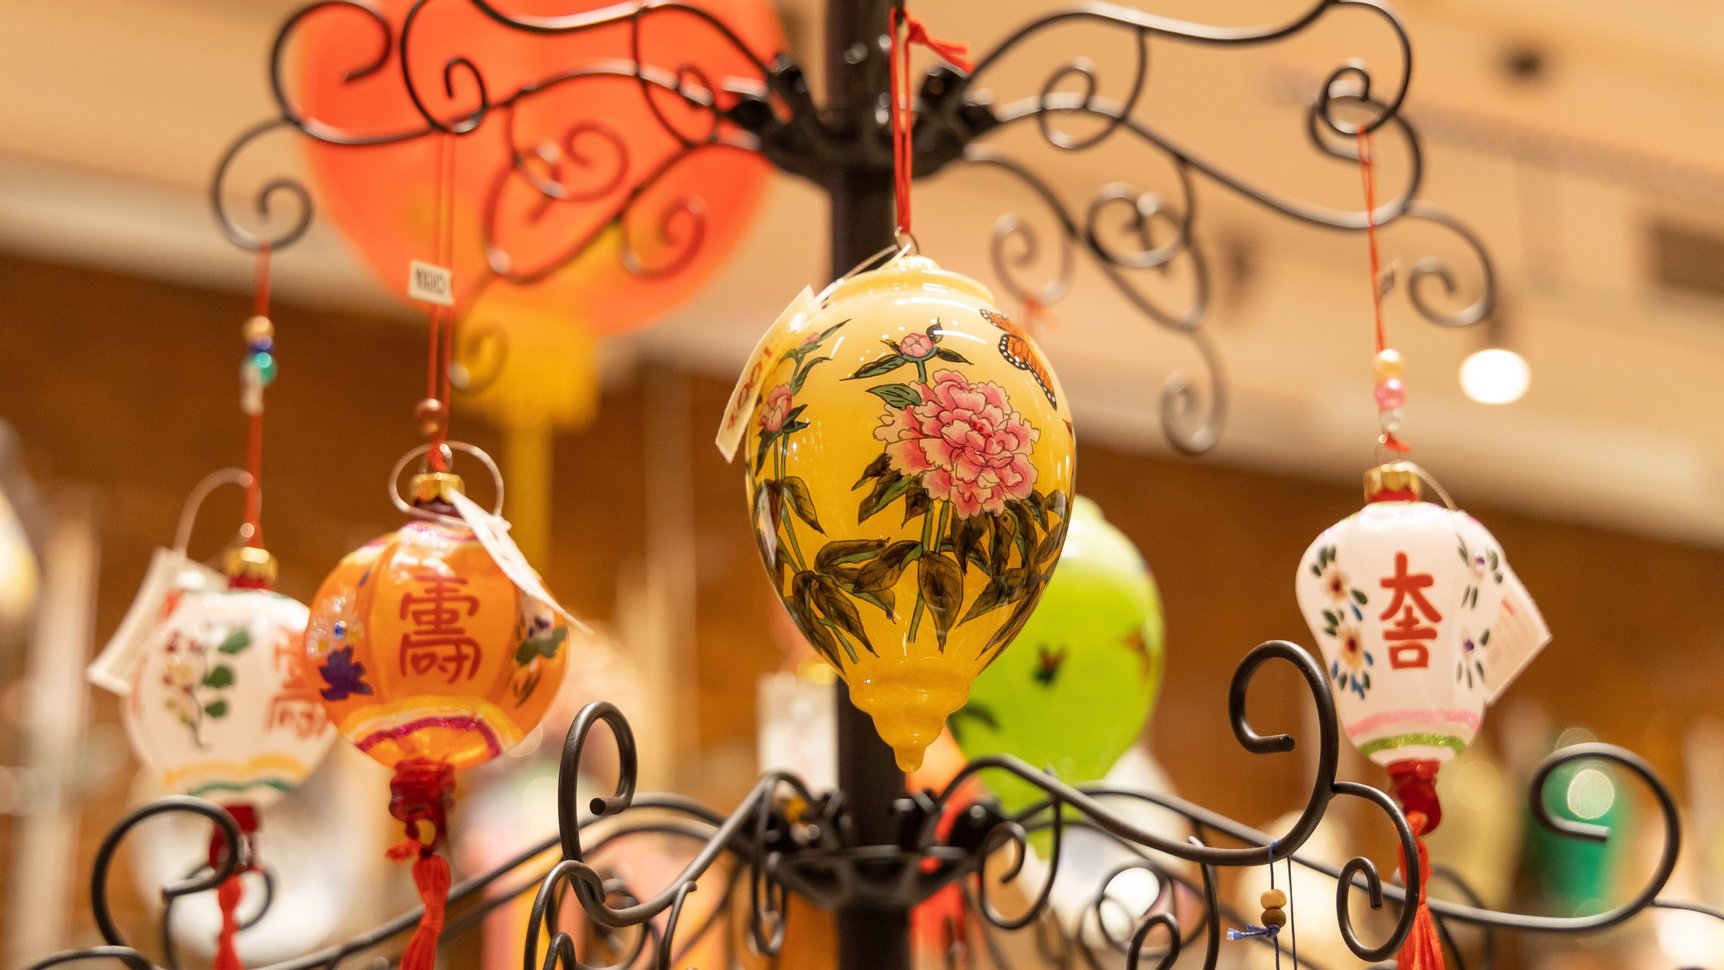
x=430, y=657
x=609, y=217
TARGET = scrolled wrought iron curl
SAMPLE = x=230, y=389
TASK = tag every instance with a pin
x=1085, y=800
x=1261, y=849
x=203, y=879
x=1143, y=26
x=1010, y=832
x=268, y=199
x=1642, y=898
x=1191, y=419
x=578, y=876
x=463, y=123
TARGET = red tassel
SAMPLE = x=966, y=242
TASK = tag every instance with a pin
x=419, y=793
x=228, y=897
x=229, y=893
x=431, y=877
x=1423, y=949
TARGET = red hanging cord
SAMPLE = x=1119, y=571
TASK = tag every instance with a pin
x=254, y=420
x=1368, y=174
x=440, y=331
x=1388, y=394
x=903, y=130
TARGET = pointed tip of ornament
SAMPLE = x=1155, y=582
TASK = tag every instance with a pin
x=909, y=757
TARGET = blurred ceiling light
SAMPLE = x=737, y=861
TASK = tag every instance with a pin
x=1495, y=374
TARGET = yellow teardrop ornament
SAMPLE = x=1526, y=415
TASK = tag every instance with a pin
x=910, y=463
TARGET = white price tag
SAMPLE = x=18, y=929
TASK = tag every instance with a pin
x=170, y=572
x=1517, y=635
x=433, y=284
x=766, y=353
x=492, y=531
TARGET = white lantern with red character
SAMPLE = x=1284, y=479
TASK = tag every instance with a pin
x=1421, y=623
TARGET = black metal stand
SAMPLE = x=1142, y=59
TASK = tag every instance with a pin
x=870, y=938
x=783, y=838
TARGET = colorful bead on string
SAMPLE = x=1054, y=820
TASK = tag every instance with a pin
x=1387, y=367
x=1274, y=917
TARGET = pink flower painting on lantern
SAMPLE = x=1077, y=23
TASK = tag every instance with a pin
x=955, y=454
x=775, y=408
x=916, y=346
x=965, y=443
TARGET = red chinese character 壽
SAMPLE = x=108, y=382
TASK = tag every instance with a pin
x=439, y=640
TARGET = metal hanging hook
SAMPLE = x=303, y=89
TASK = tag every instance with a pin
x=194, y=502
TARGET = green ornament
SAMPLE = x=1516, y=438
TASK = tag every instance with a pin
x=1075, y=689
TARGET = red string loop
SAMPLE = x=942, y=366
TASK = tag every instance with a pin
x=903, y=129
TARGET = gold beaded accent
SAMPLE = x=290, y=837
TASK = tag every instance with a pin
x=251, y=563
x=432, y=487
x=1396, y=476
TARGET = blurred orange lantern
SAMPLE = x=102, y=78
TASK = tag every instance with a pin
x=646, y=218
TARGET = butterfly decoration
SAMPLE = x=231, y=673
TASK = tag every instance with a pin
x=1019, y=351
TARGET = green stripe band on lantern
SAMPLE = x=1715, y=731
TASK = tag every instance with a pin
x=206, y=789
x=1423, y=740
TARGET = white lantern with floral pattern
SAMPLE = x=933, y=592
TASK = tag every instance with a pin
x=1421, y=623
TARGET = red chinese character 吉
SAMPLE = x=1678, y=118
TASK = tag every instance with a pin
x=1413, y=611
x=439, y=639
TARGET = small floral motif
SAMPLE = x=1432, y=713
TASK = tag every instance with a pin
x=965, y=443
x=198, y=686
x=1481, y=563
x=917, y=346
x=343, y=677
x=1470, y=667
x=1351, y=668
x=541, y=638
x=775, y=408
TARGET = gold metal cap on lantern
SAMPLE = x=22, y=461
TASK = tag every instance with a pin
x=1394, y=480
x=436, y=487
x=251, y=566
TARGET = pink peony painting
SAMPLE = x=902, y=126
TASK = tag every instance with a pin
x=965, y=443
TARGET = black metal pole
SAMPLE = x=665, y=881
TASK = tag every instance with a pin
x=862, y=224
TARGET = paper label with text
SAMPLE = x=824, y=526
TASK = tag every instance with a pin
x=492, y=531
x=170, y=573
x=1517, y=635
x=433, y=284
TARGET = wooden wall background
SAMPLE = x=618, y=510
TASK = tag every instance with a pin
x=129, y=385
